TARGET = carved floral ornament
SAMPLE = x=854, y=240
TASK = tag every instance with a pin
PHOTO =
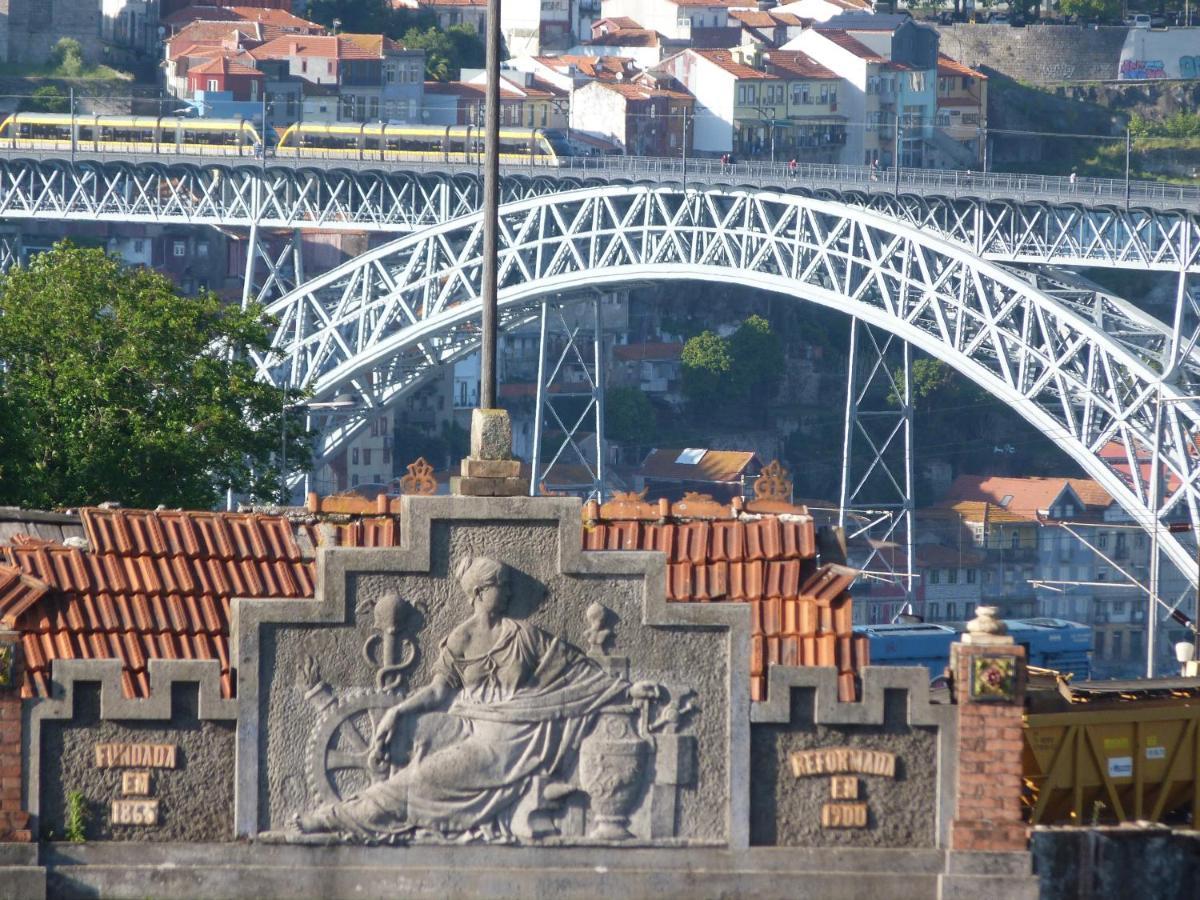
x=518, y=735
x=419, y=479
x=773, y=483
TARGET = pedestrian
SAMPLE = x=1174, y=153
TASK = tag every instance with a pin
x=724, y=161
x=792, y=167
x=1071, y=180
x=875, y=170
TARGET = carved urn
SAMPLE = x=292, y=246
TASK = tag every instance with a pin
x=612, y=769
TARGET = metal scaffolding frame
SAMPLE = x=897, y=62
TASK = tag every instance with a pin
x=571, y=360
x=879, y=485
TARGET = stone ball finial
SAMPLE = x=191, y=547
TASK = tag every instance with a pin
x=986, y=628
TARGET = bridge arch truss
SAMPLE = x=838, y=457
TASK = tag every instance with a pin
x=378, y=324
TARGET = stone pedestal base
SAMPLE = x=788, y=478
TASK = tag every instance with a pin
x=490, y=470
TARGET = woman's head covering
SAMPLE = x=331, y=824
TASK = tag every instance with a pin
x=477, y=572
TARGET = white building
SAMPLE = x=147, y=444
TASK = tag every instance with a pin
x=824, y=10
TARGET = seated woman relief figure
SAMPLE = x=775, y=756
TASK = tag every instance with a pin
x=506, y=713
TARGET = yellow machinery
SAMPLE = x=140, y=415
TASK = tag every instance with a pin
x=1112, y=751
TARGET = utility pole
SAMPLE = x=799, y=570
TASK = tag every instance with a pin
x=896, y=161
x=74, y=127
x=684, y=143
x=491, y=210
x=1128, y=149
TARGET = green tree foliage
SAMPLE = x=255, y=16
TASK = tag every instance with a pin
x=1087, y=10
x=116, y=388
x=446, y=52
x=706, y=366
x=1180, y=125
x=756, y=357
x=629, y=416
x=67, y=57
x=734, y=375
x=354, y=16
x=48, y=98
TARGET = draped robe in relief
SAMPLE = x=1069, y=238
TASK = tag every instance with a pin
x=521, y=709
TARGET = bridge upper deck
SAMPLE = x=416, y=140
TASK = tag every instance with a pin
x=826, y=178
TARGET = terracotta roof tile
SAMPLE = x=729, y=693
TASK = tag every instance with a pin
x=18, y=592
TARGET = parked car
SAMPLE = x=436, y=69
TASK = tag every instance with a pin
x=1138, y=20
x=998, y=19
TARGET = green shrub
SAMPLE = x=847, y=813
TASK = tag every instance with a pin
x=77, y=816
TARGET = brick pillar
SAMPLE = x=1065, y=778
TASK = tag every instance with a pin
x=989, y=688
x=14, y=821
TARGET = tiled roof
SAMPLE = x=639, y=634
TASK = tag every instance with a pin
x=212, y=34
x=660, y=350
x=769, y=18
x=948, y=66
x=986, y=511
x=796, y=64
x=725, y=60
x=850, y=44
x=375, y=44
x=617, y=22
x=279, y=18
x=322, y=46
x=152, y=585
x=709, y=3
x=640, y=92
x=224, y=65
x=602, y=68
x=158, y=584
x=1024, y=496
x=628, y=37
x=714, y=465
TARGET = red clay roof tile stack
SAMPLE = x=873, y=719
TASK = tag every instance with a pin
x=158, y=584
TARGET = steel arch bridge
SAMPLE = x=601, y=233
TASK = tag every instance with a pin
x=379, y=323
x=1012, y=218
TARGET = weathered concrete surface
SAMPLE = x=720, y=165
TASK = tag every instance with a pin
x=902, y=811
x=248, y=870
x=1038, y=54
x=1134, y=863
x=195, y=799
x=21, y=878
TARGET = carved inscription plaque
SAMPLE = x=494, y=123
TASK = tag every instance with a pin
x=843, y=765
x=844, y=815
x=135, y=812
x=135, y=783
x=136, y=756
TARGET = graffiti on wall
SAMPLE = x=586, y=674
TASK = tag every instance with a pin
x=1150, y=55
x=1142, y=69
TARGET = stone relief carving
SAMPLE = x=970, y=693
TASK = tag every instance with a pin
x=518, y=736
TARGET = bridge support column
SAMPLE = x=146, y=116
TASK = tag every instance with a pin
x=877, y=457
x=567, y=322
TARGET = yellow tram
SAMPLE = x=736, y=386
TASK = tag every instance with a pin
x=165, y=135
x=434, y=143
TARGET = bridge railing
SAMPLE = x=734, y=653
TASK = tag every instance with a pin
x=944, y=182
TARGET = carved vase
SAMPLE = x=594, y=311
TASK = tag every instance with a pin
x=612, y=767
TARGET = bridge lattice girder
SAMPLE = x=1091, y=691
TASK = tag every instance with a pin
x=1010, y=224
x=377, y=324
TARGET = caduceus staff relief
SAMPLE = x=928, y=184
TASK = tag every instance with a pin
x=340, y=762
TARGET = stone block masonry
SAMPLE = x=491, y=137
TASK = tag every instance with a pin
x=1038, y=54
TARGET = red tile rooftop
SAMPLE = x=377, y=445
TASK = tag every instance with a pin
x=159, y=584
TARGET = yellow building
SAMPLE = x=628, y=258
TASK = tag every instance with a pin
x=962, y=105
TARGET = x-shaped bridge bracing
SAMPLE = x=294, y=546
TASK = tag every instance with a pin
x=380, y=322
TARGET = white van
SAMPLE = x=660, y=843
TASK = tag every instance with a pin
x=1138, y=20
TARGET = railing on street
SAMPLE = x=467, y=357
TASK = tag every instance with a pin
x=1058, y=189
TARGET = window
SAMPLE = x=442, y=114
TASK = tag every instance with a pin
x=1119, y=607
x=1135, y=644
x=952, y=576
x=971, y=575
x=1102, y=574
x=935, y=576
x=354, y=481
x=387, y=457
x=970, y=614
x=366, y=456
x=1099, y=651
x=213, y=85
x=1102, y=540
x=179, y=248
x=202, y=249
x=377, y=478
x=1016, y=539
x=933, y=612
x=987, y=576
x=1121, y=542
x=329, y=67
x=139, y=246
x=951, y=611
x=1117, y=641
x=354, y=456
x=304, y=65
